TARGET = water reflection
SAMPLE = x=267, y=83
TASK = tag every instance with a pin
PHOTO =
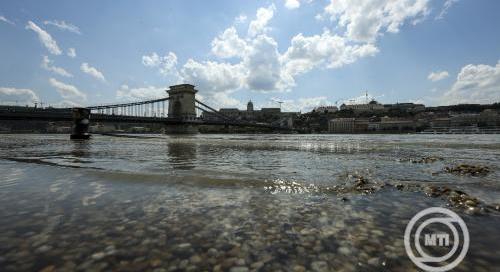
x=80, y=149
x=182, y=155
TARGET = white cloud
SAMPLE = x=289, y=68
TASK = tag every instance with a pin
x=212, y=76
x=71, y=52
x=3, y=19
x=259, y=69
x=332, y=51
x=47, y=65
x=14, y=95
x=361, y=99
x=259, y=66
x=437, y=76
x=140, y=93
x=259, y=25
x=167, y=64
x=67, y=91
x=366, y=20
x=446, y=6
x=305, y=104
x=228, y=44
x=242, y=18
x=223, y=100
x=475, y=84
x=62, y=25
x=262, y=63
x=45, y=38
x=302, y=104
x=86, y=68
x=292, y=4
x=66, y=104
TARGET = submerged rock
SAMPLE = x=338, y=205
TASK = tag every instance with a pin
x=429, y=159
x=457, y=199
x=467, y=169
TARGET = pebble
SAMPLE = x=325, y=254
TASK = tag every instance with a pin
x=184, y=246
x=49, y=268
x=319, y=266
x=373, y=261
x=344, y=250
x=239, y=269
x=212, y=252
x=195, y=259
x=155, y=262
x=98, y=256
x=299, y=268
x=470, y=203
x=257, y=265
x=43, y=249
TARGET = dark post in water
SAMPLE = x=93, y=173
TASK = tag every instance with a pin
x=81, y=119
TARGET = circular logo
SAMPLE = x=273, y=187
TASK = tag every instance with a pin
x=440, y=240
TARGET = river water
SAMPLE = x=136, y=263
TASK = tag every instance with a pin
x=237, y=202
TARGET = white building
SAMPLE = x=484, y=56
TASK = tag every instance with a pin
x=372, y=106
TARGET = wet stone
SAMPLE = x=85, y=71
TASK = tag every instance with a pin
x=239, y=269
x=49, y=268
x=319, y=266
x=429, y=159
x=98, y=256
x=344, y=250
x=299, y=268
x=257, y=265
x=374, y=261
x=155, y=262
x=213, y=252
x=195, y=259
x=43, y=249
x=466, y=169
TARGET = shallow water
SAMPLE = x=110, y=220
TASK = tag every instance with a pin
x=209, y=202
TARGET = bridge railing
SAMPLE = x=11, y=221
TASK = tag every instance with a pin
x=149, y=108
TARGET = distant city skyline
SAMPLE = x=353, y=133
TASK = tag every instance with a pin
x=304, y=53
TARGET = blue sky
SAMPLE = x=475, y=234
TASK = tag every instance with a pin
x=304, y=52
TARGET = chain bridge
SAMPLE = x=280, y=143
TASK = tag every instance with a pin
x=177, y=111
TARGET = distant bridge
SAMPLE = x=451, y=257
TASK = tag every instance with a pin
x=179, y=113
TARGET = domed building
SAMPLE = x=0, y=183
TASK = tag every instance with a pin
x=250, y=106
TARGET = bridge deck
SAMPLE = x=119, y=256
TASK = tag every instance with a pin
x=62, y=115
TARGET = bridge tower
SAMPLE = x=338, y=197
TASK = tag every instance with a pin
x=181, y=104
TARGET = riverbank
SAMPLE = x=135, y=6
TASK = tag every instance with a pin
x=239, y=202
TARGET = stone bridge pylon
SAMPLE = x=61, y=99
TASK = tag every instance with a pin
x=181, y=104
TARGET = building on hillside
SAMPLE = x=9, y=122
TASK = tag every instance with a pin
x=326, y=109
x=405, y=107
x=440, y=122
x=396, y=124
x=267, y=115
x=363, y=125
x=372, y=106
x=489, y=118
x=341, y=125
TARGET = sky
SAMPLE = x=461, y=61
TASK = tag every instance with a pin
x=305, y=53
